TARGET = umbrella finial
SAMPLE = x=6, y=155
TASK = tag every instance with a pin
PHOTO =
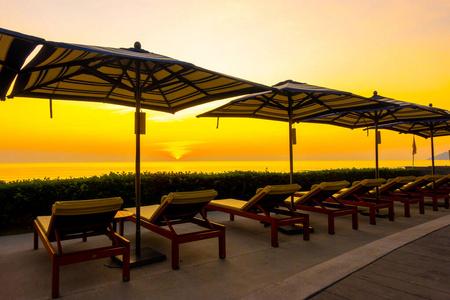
x=375, y=93
x=430, y=105
x=137, y=45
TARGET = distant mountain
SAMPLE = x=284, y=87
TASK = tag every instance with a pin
x=442, y=156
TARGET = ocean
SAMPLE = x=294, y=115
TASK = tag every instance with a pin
x=24, y=171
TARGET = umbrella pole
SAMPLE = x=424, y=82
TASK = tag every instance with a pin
x=377, y=175
x=432, y=152
x=138, y=158
x=291, y=155
x=376, y=151
x=147, y=255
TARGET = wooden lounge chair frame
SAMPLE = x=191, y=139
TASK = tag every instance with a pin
x=81, y=219
x=387, y=192
x=354, y=196
x=179, y=208
x=266, y=201
x=320, y=200
x=441, y=184
x=419, y=188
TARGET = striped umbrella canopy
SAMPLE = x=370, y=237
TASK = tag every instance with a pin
x=424, y=128
x=14, y=50
x=395, y=111
x=291, y=102
x=129, y=77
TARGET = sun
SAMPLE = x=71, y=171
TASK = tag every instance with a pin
x=178, y=149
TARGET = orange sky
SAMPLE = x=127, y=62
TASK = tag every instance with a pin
x=399, y=48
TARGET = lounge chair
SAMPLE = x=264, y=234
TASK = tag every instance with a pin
x=319, y=199
x=266, y=201
x=81, y=219
x=418, y=188
x=354, y=196
x=179, y=208
x=440, y=185
x=387, y=192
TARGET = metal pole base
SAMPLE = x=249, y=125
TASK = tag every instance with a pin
x=147, y=256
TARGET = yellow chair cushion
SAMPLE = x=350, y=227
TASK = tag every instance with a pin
x=356, y=185
x=44, y=222
x=324, y=186
x=230, y=203
x=282, y=189
x=84, y=207
x=149, y=212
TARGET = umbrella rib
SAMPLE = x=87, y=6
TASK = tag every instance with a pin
x=262, y=105
x=151, y=72
x=104, y=77
x=124, y=73
x=93, y=71
x=317, y=99
x=271, y=101
x=302, y=102
x=157, y=83
x=187, y=82
x=78, y=62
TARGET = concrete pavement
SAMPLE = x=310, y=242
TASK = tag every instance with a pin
x=252, y=270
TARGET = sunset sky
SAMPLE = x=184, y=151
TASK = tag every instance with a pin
x=400, y=48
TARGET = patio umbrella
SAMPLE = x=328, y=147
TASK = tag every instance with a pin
x=129, y=77
x=424, y=128
x=396, y=111
x=291, y=101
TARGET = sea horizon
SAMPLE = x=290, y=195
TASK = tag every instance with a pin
x=28, y=171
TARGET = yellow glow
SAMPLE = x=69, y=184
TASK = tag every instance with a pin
x=399, y=48
x=177, y=149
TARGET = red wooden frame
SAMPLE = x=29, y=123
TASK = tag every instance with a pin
x=184, y=213
x=321, y=202
x=261, y=211
x=388, y=193
x=356, y=198
x=120, y=246
x=420, y=189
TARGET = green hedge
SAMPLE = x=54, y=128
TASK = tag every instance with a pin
x=22, y=201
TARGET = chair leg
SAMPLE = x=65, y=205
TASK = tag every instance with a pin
x=407, y=209
x=330, y=224
x=422, y=207
x=355, y=221
x=36, y=241
x=435, y=203
x=231, y=217
x=120, y=227
x=55, y=277
x=274, y=233
x=126, y=266
x=175, y=254
x=306, y=231
x=222, y=247
x=372, y=215
x=391, y=212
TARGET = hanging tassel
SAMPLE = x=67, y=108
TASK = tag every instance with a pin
x=294, y=136
x=142, y=119
x=51, y=109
